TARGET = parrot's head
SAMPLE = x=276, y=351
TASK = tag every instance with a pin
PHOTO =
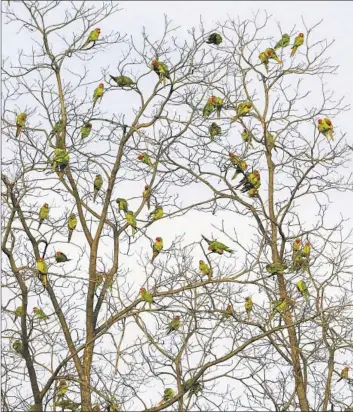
x=142, y=291
x=297, y=241
x=177, y=317
x=147, y=187
x=155, y=63
x=320, y=121
x=58, y=254
x=329, y=122
x=98, y=30
x=285, y=35
x=257, y=174
x=98, y=177
x=282, y=298
x=35, y=309
x=307, y=244
x=248, y=298
x=140, y=156
x=41, y=260
x=23, y=116
x=72, y=216
x=249, y=105
x=89, y=125
x=201, y=262
x=269, y=52
x=101, y=85
x=229, y=307
x=301, y=34
x=46, y=205
x=158, y=239
x=211, y=99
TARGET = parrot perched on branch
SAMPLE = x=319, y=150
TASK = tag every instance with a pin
x=270, y=141
x=161, y=69
x=306, y=249
x=40, y=314
x=42, y=270
x=20, y=123
x=60, y=161
x=205, y=269
x=264, y=60
x=214, y=38
x=71, y=224
x=217, y=247
x=147, y=297
x=250, y=181
x=173, y=325
x=303, y=289
x=146, y=194
x=242, y=110
x=57, y=129
x=62, y=389
x=157, y=213
x=253, y=192
x=157, y=248
x=17, y=346
x=276, y=268
x=144, y=158
x=92, y=37
x=325, y=127
x=296, y=249
x=209, y=107
x=97, y=185
x=18, y=312
x=194, y=387
x=247, y=137
x=278, y=306
x=344, y=374
x=131, y=220
x=43, y=214
x=123, y=81
x=283, y=42
x=214, y=130
x=60, y=257
x=168, y=395
x=248, y=306
x=273, y=55
x=240, y=164
x=298, y=41
x=122, y=204
x=228, y=312
x=98, y=93
x=86, y=130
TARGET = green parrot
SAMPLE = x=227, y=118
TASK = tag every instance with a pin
x=17, y=346
x=241, y=165
x=273, y=55
x=60, y=161
x=174, y=325
x=18, y=312
x=250, y=181
x=278, y=306
x=306, y=250
x=325, y=127
x=218, y=102
x=228, y=312
x=57, y=129
x=43, y=214
x=217, y=247
x=275, y=268
x=40, y=314
x=147, y=297
x=157, y=213
x=71, y=224
x=97, y=185
x=68, y=404
x=147, y=196
x=296, y=249
x=144, y=158
x=214, y=130
x=42, y=270
x=283, y=42
x=131, y=220
x=98, y=93
x=86, y=130
x=253, y=192
x=93, y=37
x=298, y=41
x=20, y=123
x=264, y=60
x=122, y=204
x=168, y=395
x=157, y=248
x=194, y=387
x=248, y=306
x=205, y=269
x=344, y=374
x=247, y=137
x=242, y=110
x=161, y=69
x=62, y=388
x=60, y=257
x=271, y=141
x=303, y=289
x=123, y=81
x=209, y=107
x=214, y=38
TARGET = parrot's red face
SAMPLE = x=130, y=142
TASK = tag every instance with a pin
x=249, y=105
x=297, y=241
x=270, y=52
x=147, y=187
x=34, y=309
x=155, y=63
x=41, y=260
x=24, y=116
x=140, y=157
x=307, y=244
x=301, y=35
x=329, y=122
x=158, y=239
x=57, y=253
x=282, y=298
x=201, y=262
x=245, y=166
x=46, y=205
x=229, y=307
x=98, y=176
x=142, y=290
x=320, y=121
x=101, y=85
x=177, y=317
x=231, y=154
x=98, y=30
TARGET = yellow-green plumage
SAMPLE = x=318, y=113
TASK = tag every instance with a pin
x=242, y=110
x=131, y=220
x=157, y=213
x=18, y=312
x=122, y=81
x=62, y=389
x=204, y=268
x=92, y=37
x=303, y=289
x=168, y=395
x=122, y=204
x=248, y=306
x=17, y=346
x=298, y=41
x=40, y=314
x=97, y=185
x=173, y=325
x=42, y=270
x=71, y=224
x=157, y=248
x=283, y=42
x=43, y=214
x=20, y=123
x=147, y=297
x=98, y=93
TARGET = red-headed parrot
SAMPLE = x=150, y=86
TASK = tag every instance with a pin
x=264, y=60
x=93, y=37
x=228, y=312
x=43, y=214
x=242, y=110
x=146, y=194
x=20, y=123
x=241, y=165
x=157, y=213
x=161, y=69
x=283, y=42
x=40, y=314
x=173, y=325
x=205, y=269
x=157, y=248
x=217, y=247
x=209, y=107
x=298, y=41
x=147, y=297
x=71, y=224
x=144, y=158
x=131, y=220
x=306, y=249
x=98, y=93
x=273, y=55
x=325, y=127
x=60, y=257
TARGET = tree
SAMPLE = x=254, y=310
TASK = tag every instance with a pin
x=101, y=338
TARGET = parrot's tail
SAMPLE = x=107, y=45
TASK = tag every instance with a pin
x=234, y=120
x=18, y=131
x=70, y=235
x=205, y=238
x=40, y=223
x=294, y=49
x=235, y=175
x=112, y=77
x=95, y=195
x=248, y=316
x=339, y=380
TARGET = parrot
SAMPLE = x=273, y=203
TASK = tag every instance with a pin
x=344, y=374
x=71, y=224
x=205, y=269
x=147, y=196
x=144, y=158
x=42, y=270
x=273, y=55
x=278, y=306
x=296, y=248
x=264, y=59
x=43, y=214
x=248, y=306
x=168, y=395
x=67, y=404
x=96, y=408
x=325, y=127
x=97, y=185
x=157, y=248
x=86, y=130
x=298, y=41
x=122, y=204
x=218, y=102
x=60, y=257
x=253, y=192
x=217, y=247
x=122, y=81
x=131, y=220
x=93, y=37
x=209, y=107
x=194, y=387
x=57, y=128
x=275, y=268
x=60, y=161
x=20, y=123
x=214, y=130
x=242, y=110
x=162, y=70
x=214, y=38
x=18, y=312
x=157, y=213
x=99, y=281
x=303, y=289
x=17, y=346
x=284, y=42
x=247, y=136
x=40, y=314
x=306, y=250
x=250, y=181
x=174, y=325
x=147, y=297
x=240, y=164
x=98, y=93
x=62, y=389
x=228, y=312
x=270, y=141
